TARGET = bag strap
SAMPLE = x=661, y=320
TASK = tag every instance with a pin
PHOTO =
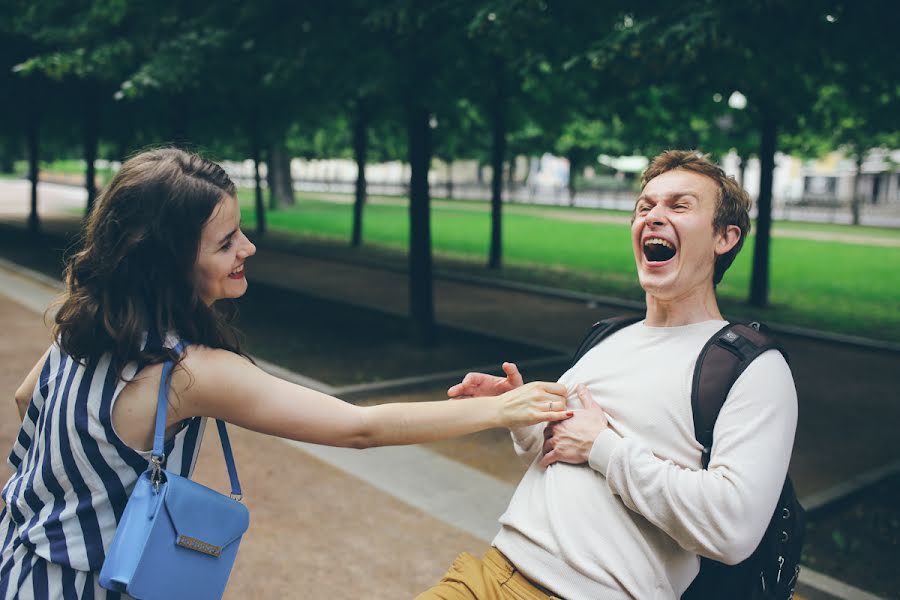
x=600, y=331
x=159, y=438
x=725, y=356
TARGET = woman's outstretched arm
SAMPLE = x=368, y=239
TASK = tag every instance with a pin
x=220, y=384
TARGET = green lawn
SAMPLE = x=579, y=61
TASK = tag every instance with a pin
x=848, y=288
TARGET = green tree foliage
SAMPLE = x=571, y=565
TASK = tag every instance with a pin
x=779, y=55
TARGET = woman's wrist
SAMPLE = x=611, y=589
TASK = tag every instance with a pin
x=497, y=414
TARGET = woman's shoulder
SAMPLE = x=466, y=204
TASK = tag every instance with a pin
x=207, y=376
x=204, y=367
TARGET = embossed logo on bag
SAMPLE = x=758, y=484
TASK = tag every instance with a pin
x=198, y=545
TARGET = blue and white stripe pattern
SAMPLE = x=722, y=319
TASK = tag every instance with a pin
x=73, y=476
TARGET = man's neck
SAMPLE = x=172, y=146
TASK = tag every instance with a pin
x=694, y=307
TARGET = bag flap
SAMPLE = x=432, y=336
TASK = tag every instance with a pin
x=204, y=515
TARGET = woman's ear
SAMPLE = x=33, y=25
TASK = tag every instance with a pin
x=726, y=240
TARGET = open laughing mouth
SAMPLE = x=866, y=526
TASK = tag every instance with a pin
x=237, y=273
x=658, y=251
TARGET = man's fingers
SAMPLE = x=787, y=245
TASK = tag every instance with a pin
x=468, y=385
x=512, y=373
x=549, y=459
x=557, y=389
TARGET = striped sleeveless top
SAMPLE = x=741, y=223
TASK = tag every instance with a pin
x=73, y=474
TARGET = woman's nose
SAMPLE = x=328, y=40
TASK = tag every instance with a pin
x=248, y=249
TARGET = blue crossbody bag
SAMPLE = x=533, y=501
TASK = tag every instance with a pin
x=176, y=538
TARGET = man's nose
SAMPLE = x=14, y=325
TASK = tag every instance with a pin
x=656, y=215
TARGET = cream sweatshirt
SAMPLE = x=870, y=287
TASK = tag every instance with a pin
x=631, y=522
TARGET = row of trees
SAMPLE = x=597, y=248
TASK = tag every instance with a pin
x=499, y=78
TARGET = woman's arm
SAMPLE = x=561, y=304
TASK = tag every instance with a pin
x=220, y=384
x=26, y=390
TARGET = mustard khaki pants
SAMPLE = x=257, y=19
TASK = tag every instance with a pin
x=492, y=577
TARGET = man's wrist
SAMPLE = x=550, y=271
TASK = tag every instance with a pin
x=601, y=451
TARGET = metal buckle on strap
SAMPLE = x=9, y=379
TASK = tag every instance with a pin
x=156, y=475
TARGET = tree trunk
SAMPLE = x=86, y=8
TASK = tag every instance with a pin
x=498, y=155
x=34, y=223
x=281, y=186
x=91, y=140
x=360, y=143
x=759, y=281
x=742, y=171
x=421, y=299
x=257, y=179
x=449, y=180
x=285, y=178
x=7, y=155
x=573, y=172
x=270, y=179
x=855, y=198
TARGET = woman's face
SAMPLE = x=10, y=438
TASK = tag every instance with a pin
x=219, y=271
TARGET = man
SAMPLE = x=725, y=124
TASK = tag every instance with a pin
x=615, y=503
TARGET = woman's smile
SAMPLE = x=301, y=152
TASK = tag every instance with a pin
x=238, y=273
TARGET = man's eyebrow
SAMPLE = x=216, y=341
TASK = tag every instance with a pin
x=227, y=236
x=670, y=196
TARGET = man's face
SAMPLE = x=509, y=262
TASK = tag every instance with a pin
x=672, y=235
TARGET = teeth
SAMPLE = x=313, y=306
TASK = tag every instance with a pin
x=659, y=242
x=238, y=270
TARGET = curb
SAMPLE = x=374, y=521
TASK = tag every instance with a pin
x=825, y=500
x=833, y=587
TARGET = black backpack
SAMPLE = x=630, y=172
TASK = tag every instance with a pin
x=772, y=570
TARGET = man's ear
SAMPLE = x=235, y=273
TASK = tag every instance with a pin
x=728, y=239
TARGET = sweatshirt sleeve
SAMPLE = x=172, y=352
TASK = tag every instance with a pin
x=528, y=441
x=721, y=512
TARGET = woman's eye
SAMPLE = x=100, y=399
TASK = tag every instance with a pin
x=227, y=245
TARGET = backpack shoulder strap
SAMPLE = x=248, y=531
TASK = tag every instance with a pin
x=600, y=331
x=724, y=357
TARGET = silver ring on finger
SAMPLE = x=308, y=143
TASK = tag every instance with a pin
x=550, y=406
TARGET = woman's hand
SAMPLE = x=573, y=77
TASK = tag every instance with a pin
x=536, y=402
x=482, y=384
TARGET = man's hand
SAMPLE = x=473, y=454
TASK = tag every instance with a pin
x=570, y=441
x=482, y=384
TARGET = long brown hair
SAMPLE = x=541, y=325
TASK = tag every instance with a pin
x=133, y=275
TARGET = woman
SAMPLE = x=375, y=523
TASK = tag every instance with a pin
x=161, y=246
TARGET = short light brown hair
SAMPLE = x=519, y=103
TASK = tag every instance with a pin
x=732, y=203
